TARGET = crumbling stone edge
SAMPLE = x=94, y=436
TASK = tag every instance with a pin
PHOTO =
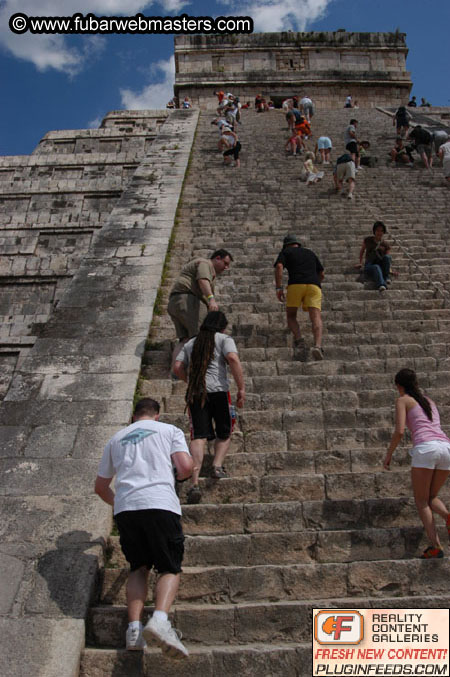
x=72, y=391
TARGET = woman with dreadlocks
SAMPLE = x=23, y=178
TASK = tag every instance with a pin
x=202, y=363
x=430, y=455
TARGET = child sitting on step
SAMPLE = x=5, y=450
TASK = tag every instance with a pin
x=313, y=175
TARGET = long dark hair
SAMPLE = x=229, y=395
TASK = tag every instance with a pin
x=408, y=380
x=202, y=354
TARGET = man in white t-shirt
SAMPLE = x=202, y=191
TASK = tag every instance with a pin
x=147, y=512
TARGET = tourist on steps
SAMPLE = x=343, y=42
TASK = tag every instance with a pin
x=422, y=140
x=401, y=119
x=231, y=146
x=344, y=170
x=147, y=513
x=444, y=154
x=313, y=175
x=439, y=138
x=307, y=107
x=430, y=454
x=351, y=143
x=202, y=363
x=377, y=264
x=305, y=276
x=324, y=146
x=401, y=154
x=192, y=295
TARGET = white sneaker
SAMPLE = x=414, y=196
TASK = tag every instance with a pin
x=166, y=637
x=135, y=640
x=382, y=289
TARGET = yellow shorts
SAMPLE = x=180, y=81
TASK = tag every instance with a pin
x=305, y=295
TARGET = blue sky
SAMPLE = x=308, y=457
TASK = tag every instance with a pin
x=70, y=82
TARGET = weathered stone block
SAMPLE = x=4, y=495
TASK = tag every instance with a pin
x=277, y=517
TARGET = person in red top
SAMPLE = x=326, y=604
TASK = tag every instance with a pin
x=220, y=95
x=304, y=127
x=430, y=455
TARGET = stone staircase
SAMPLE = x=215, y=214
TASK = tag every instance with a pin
x=308, y=518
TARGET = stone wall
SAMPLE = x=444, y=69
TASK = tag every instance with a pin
x=75, y=386
x=327, y=66
x=51, y=205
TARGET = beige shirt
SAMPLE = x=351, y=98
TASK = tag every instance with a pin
x=187, y=281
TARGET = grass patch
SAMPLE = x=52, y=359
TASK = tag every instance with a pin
x=137, y=396
x=153, y=345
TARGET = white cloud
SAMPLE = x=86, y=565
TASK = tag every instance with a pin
x=52, y=51
x=156, y=94
x=172, y=6
x=95, y=123
x=282, y=15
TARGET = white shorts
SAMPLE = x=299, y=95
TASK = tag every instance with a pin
x=433, y=455
x=323, y=142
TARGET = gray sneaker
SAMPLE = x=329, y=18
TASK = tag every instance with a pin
x=166, y=637
x=317, y=353
x=382, y=289
x=135, y=640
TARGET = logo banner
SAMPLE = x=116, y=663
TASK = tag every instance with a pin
x=380, y=642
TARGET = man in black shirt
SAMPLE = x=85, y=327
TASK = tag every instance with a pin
x=305, y=276
x=422, y=141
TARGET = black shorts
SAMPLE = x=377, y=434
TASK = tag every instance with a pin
x=217, y=408
x=234, y=151
x=151, y=538
x=352, y=147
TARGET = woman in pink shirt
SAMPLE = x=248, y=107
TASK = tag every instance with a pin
x=430, y=455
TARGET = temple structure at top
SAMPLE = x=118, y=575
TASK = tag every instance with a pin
x=327, y=66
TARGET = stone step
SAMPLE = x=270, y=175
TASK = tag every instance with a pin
x=290, y=659
x=350, y=385
x=248, y=322
x=247, y=335
x=276, y=582
x=369, y=399
x=288, y=463
x=311, y=424
x=295, y=437
x=237, y=584
x=314, y=429
x=339, y=287
x=239, y=518
x=311, y=486
x=311, y=546
x=336, y=299
x=234, y=625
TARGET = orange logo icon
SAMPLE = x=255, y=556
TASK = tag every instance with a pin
x=341, y=626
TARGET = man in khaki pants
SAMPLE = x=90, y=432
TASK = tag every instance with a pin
x=192, y=295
